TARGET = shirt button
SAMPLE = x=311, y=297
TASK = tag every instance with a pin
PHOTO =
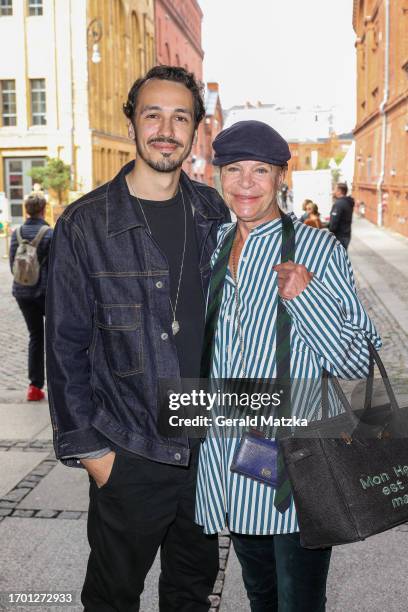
x=177, y=456
x=159, y=285
x=164, y=336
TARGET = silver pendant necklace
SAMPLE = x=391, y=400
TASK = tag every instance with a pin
x=175, y=325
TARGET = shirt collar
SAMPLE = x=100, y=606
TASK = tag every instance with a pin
x=268, y=228
x=122, y=214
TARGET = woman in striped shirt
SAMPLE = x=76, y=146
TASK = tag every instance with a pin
x=329, y=330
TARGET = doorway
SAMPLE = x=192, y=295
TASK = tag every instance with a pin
x=18, y=183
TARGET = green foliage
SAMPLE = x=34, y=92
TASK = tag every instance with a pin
x=339, y=158
x=323, y=163
x=54, y=175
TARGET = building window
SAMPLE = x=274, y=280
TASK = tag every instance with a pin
x=38, y=102
x=6, y=7
x=8, y=102
x=369, y=168
x=35, y=7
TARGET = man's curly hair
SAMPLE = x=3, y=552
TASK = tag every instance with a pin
x=168, y=73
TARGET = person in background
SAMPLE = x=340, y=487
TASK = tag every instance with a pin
x=341, y=215
x=313, y=218
x=305, y=215
x=31, y=298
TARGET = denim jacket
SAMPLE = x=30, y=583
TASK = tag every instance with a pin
x=108, y=322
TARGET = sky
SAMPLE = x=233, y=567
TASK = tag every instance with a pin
x=287, y=52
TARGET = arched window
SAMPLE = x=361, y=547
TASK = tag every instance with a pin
x=167, y=57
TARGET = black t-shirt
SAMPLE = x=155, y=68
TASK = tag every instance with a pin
x=166, y=223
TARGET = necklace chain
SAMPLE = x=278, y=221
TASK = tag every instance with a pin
x=175, y=326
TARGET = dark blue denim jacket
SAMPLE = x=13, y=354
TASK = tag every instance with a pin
x=108, y=322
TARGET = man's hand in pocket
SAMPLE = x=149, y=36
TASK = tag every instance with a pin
x=100, y=469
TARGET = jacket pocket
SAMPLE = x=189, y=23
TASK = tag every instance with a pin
x=122, y=336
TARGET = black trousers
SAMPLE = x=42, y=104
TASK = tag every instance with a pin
x=280, y=575
x=145, y=506
x=34, y=312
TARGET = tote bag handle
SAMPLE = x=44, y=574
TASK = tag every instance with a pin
x=354, y=420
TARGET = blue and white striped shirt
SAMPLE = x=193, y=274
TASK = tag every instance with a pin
x=329, y=327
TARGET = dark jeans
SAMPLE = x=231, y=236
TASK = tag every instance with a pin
x=145, y=506
x=280, y=575
x=34, y=312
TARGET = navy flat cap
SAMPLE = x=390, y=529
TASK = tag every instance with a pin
x=250, y=140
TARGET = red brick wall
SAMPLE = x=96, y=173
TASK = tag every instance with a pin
x=178, y=43
x=212, y=125
x=369, y=24
x=178, y=34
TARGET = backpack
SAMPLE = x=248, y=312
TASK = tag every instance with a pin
x=26, y=267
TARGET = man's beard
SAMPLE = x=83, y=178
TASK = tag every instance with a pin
x=165, y=164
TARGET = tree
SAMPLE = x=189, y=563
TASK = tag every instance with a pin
x=54, y=175
x=323, y=163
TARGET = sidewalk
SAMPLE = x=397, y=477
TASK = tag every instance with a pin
x=43, y=504
x=43, y=544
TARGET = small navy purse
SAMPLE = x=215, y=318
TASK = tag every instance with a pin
x=257, y=457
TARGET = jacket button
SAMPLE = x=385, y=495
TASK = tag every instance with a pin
x=177, y=456
x=159, y=285
x=164, y=336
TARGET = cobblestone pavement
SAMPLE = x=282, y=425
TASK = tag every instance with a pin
x=394, y=351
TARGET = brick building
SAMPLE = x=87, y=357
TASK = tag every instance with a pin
x=63, y=86
x=316, y=154
x=213, y=124
x=381, y=133
x=178, y=43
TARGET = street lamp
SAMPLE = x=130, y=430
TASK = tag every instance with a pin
x=94, y=33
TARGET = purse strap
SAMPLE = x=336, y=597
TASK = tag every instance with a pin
x=284, y=321
x=283, y=327
x=215, y=291
x=376, y=359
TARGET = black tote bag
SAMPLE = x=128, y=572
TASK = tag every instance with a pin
x=349, y=473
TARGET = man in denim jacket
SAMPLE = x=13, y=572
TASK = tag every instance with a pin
x=128, y=275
